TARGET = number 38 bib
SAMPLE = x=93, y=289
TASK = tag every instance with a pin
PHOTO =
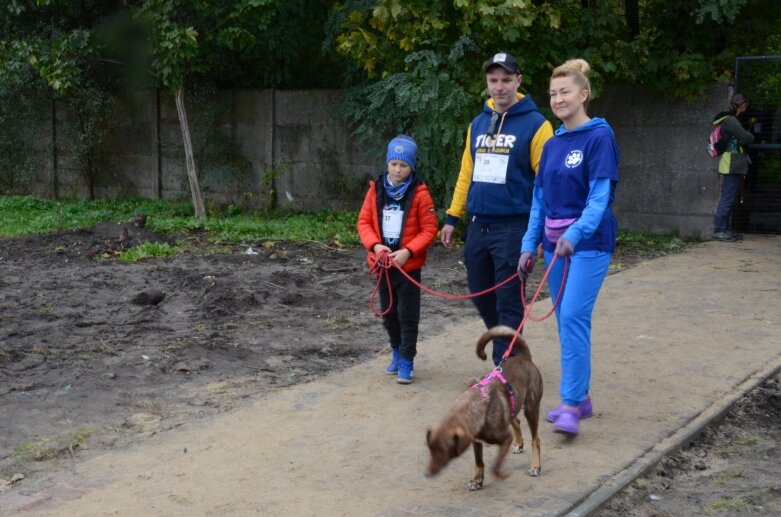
x=490, y=168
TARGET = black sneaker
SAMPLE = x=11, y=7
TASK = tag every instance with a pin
x=724, y=237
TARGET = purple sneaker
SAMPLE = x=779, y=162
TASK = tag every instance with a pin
x=568, y=422
x=584, y=411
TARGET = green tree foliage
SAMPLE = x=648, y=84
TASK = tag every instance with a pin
x=414, y=65
x=60, y=43
x=422, y=58
x=20, y=158
x=423, y=61
x=88, y=52
x=187, y=39
x=295, y=51
x=192, y=37
x=428, y=101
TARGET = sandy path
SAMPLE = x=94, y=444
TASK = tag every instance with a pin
x=673, y=338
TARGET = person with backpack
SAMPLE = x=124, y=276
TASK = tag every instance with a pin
x=733, y=165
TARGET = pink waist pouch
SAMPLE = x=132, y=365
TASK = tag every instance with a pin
x=555, y=228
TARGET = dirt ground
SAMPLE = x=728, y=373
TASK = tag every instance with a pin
x=97, y=354
x=733, y=468
x=89, y=361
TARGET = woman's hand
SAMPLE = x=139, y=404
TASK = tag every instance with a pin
x=525, y=265
x=564, y=248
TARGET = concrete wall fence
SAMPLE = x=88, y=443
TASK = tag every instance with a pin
x=294, y=141
x=289, y=140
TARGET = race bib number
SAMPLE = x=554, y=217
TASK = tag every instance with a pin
x=490, y=168
x=391, y=223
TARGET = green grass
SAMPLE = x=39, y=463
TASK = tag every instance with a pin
x=723, y=505
x=738, y=445
x=47, y=449
x=722, y=477
x=78, y=436
x=147, y=250
x=25, y=215
x=650, y=245
x=37, y=451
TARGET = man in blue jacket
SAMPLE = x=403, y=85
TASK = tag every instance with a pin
x=501, y=157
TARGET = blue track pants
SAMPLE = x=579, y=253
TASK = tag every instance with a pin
x=587, y=271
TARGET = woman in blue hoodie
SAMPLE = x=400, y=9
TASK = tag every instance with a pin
x=571, y=216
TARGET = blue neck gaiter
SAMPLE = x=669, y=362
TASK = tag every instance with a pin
x=397, y=191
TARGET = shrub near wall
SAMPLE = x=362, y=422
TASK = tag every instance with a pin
x=24, y=119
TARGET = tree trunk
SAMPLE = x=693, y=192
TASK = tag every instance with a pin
x=91, y=174
x=192, y=175
x=55, y=158
x=632, y=13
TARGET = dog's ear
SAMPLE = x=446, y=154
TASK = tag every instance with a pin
x=461, y=440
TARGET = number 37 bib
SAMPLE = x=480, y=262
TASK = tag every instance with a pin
x=391, y=223
x=490, y=168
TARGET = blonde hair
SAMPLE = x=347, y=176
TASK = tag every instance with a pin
x=579, y=70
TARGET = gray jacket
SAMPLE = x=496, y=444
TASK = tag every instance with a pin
x=735, y=160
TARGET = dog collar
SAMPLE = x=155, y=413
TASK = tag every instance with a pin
x=485, y=381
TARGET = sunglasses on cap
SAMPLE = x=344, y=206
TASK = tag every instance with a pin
x=492, y=124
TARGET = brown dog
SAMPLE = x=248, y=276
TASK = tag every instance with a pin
x=488, y=410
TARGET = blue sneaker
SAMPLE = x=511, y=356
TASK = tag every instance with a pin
x=393, y=367
x=405, y=371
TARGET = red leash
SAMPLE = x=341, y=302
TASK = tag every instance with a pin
x=385, y=262
x=527, y=310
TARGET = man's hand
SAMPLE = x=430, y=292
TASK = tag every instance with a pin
x=401, y=256
x=564, y=248
x=525, y=265
x=446, y=234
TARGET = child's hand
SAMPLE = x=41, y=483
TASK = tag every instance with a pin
x=401, y=256
x=380, y=247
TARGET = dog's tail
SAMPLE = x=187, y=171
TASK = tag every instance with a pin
x=501, y=331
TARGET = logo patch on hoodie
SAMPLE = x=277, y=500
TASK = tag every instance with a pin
x=496, y=141
x=574, y=158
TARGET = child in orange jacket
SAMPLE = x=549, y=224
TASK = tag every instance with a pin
x=398, y=217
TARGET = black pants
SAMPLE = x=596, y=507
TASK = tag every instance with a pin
x=491, y=253
x=402, y=320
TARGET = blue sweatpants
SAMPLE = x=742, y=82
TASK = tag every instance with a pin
x=587, y=271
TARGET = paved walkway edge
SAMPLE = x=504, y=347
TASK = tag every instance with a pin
x=594, y=501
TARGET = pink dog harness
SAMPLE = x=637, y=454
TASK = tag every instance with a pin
x=496, y=374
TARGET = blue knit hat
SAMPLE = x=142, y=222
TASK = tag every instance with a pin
x=402, y=148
